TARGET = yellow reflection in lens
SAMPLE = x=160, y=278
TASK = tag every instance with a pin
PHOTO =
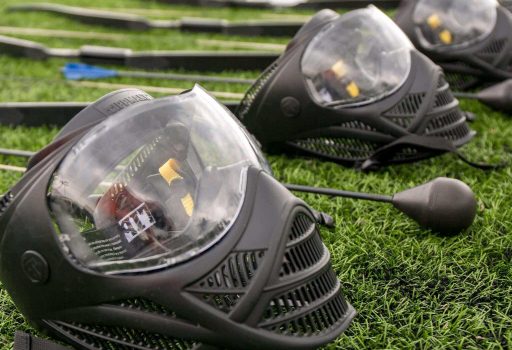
x=446, y=37
x=339, y=69
x=169, y=171
x=434, y=21
x=353, y=89
x=188, y=204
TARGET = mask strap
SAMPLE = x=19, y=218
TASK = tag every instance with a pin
x=24, y=341
x=435, y=144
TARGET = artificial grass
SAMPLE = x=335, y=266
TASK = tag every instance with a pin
x=411, y=288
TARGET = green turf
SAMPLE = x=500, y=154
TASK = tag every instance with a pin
x=412, y=288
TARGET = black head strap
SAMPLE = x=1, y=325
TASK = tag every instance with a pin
x=24, y=341
x=429, y=143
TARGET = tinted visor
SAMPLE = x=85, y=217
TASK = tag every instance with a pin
x=359, y=58
x=454, y=23
x=153, y=185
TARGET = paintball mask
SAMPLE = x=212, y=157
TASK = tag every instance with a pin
x=470, y=39
x=156, y=224
x=353, y=89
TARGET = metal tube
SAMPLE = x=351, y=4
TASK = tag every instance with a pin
x=340, y=193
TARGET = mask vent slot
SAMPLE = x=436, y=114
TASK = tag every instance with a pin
x=443, y=98
x=144, y=305
x=223, y=302
x=234, y=272
x=306, y=296
x=459, y=132
x=443, y=120
x=223, y=287
x=317, y=321
x=304, y=251
x=312, y=304
x=493, y=49
x=301, y=226
x=409, y=106
x=254, y=90
x=120, y=338
x=5, y=201
x=357, y=125
x=348, y=149
x=441, y=82
x=461, y=76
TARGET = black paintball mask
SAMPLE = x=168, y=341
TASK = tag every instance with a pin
x=156, y=224
x=470, y=39
x=353, y=89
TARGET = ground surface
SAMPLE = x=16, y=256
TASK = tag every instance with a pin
x=412, y=289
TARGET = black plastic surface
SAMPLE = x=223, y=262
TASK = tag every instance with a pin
x=467, y=67
x=445, y=205
x=199, y=61
x=236, y=287
x=423, y=105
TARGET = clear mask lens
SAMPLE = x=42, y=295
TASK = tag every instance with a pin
x=454, y=23
x=360, y=58
x=152, y=185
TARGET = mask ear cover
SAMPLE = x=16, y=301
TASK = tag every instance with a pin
x=267, y=284
x=281, y=113
x=471, y=66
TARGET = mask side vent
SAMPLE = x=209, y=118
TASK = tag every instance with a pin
x=303, y=253
x=356, y=124
x=403, y=113
x=119, y=338
x=349, y=149
x=225, y=285
x=443, y=98
x=318, y=320
x=442, y=121
x=448, y=121
x=407, y=106
x=221, y=301
x=455, y=134
x=145, y=305
x=304, y=248
x=493, y=49
x=254, y=90
x=5, y=201
x=460, y=76
x=300, y=226
x=306, y=303
x=302, y=297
